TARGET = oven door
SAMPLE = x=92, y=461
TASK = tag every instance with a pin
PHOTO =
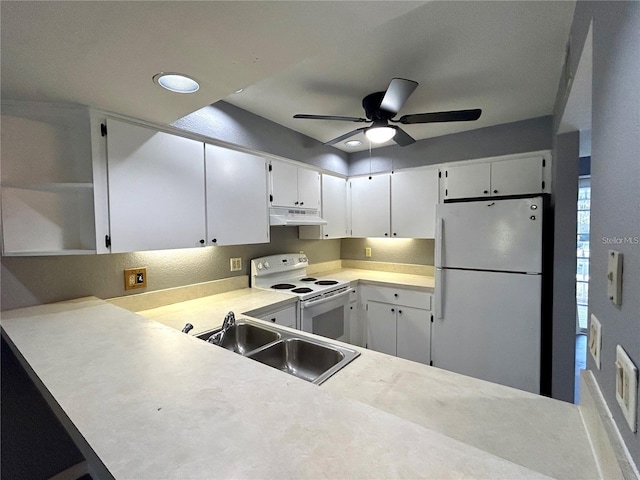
x=328, y=317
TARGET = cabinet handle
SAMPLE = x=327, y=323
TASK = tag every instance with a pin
x=394, y=234
x=215, y=240
x=301, y=203
x=400, y=312
x=326, y=234
x=393, y=309
x=202, y=242
x=386, y=234
x=495, y=191
x=395, y=295
x=296, y=203
x=273, y=320
x=486, y=191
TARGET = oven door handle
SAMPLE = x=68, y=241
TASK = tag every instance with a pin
x=326, y=299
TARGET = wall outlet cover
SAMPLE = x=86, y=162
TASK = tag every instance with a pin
x=367, y=252
x=235, y=264
x=135, y=278
x=627, y=387
x=595, y=339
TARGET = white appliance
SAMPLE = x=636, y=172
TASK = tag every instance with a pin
x=323, y=302
x=489, y=291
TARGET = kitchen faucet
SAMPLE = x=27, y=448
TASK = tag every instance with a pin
x=228, y=322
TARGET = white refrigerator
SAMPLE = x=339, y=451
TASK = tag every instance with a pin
x=488, y=290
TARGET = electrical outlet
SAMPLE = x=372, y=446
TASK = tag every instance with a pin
x=135, y=278
x=627, y=387
x=367, y=252
x=236, y=264
x=595, y=339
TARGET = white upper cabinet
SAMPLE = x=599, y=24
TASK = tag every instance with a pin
x=370, y=206
x=294, y=187
x=308, y=188
x=156, y=189
x=518, y=176
x=237, y=205
x=334, y=211
x=414, y=195
x=53, y=187
x=514, y=176
x=284, y=184
x=467, y=181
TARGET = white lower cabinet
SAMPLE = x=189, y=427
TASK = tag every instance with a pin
x=398, y=322
x=287, y=316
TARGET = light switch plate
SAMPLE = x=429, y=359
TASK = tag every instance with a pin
x=627, y=387
x=614, y=277
x=367, y=252
x=595, y=339
x=235, y=264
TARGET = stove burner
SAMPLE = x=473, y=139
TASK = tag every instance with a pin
x=327, y=282
x=302, y=290
x=308, y=279
x=282, y=286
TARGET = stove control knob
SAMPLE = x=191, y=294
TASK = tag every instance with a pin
x=260, y=266
x=302, y=259
x=266, y=264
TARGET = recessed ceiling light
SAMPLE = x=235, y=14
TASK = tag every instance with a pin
x=176, y=82
x=353, y=143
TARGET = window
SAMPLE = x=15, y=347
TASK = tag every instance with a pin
x=582, y=267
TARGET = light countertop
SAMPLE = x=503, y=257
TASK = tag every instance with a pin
x=151, y=402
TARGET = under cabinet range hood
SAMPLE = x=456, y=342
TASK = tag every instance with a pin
x=293, y=218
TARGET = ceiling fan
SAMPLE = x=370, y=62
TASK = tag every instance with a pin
x=381, y=107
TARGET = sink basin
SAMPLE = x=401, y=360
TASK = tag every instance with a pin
x=243, y=337
x=310, y=359
x=307, y=360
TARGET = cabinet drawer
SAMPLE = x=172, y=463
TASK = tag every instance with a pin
x=285, y=317
x=398, y=296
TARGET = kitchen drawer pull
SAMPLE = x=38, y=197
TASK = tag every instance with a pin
x=202, y=242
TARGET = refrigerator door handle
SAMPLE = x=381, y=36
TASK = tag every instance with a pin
x=439, y=241
x=439, y=287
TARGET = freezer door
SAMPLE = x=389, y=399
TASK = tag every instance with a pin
x=501, y=235
x=488, y=326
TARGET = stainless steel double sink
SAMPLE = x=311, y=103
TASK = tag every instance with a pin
x=307, y=358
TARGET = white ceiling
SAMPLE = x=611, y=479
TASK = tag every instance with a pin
x=291, y=57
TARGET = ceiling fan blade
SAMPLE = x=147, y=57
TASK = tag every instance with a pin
x=330, y=117
x=398, y=91
x=453, y=116
x=402, y=138
x=345, y=136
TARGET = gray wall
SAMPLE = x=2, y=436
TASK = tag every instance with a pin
x=564, y=203
x=517, y=137
x=615, y=181
x=30, y=281
x=231, y=124
x=395, y=250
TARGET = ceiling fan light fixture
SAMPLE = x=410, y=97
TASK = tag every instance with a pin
x=176, y=82
x=380, y=134
x=353, y=143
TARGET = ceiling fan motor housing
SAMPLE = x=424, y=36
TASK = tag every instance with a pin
x=371, y=105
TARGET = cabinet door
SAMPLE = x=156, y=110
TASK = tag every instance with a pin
x=334, y=206
x=308, y=188
x=414, y=196
x=515, y=177
x=237, y=204
x=285, y=317
x=381, y=327
x=370, y=206
x=414, y=334
x=156, y=189
x=284, y=184
x=468, y=181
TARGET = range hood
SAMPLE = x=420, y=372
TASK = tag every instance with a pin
x=293, y=218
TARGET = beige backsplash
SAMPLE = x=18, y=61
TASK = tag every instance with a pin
x=408, y=268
